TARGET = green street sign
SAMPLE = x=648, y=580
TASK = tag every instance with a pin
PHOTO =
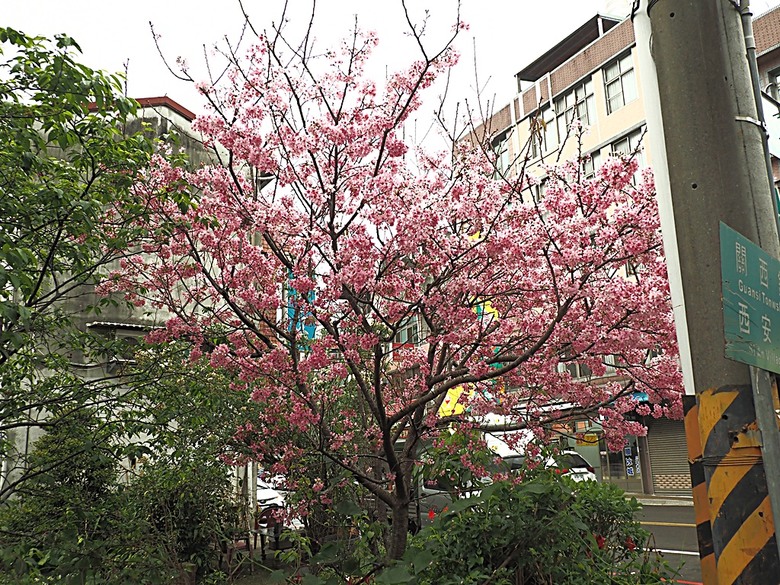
x=751, y=301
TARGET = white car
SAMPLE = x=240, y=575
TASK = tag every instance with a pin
x=566, y=463
x=571, y=464
x=271, y=495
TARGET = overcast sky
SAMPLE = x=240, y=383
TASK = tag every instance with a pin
x=507, y=34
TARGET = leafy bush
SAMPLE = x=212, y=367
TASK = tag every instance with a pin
x=544, y=530
x=188, y=508
x=77, y=519
x=77, y=525
x=71, y=523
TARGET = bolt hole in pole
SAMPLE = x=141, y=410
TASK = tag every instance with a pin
x=694, y=186
x=671, y=15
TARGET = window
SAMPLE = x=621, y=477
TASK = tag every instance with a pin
x=632, y=270
x=575, y=104
x=610, y=361
x=122, y=352
x=590, y=163
x=582, y=426
x=536, y=190
x=630, y=145
x=544, y=134
x=408, y=332
x=773, y=89
x=262, y=180
x=652, y=354
x=500, y=145
x=620, y=83
x=119, y=341
x=576, y=370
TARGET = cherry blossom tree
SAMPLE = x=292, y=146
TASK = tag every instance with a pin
x=355, y=282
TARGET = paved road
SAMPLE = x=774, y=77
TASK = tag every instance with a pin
x=674, y=534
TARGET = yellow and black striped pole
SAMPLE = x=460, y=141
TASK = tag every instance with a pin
x=741, y=524
x=699, y=488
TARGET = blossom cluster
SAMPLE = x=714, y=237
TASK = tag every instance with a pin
x=358, y=241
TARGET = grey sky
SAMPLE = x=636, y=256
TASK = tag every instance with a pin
x=507, y=34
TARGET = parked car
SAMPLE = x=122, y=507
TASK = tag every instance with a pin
x=270, y=493
x=572, y=465
x=512, y=453
x=271, y=496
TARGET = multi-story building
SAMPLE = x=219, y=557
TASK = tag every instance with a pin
x=593, y=76
x=160, y=117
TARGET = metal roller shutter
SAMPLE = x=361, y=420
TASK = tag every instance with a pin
x=669, y=457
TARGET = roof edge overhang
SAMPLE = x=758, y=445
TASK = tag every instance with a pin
x=590, y=31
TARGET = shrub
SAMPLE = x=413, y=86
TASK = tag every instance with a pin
x=77, y=523
x=544, y=530
x=187, y=507
x=71, y=523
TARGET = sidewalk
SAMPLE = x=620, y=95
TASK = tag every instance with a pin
x=662, y=500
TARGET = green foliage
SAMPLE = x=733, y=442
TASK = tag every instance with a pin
x=343, y=535
x=70, y=523
x=63, y=159
x=357, y=549
x=188, y=507
x=65, y=163
x=544, y=530
x=442, y=461
x=69, y=511
x=83, y=517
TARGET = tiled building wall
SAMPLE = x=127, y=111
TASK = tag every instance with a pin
x=766, y=29
x=619, y=38
x=614, y=42
x=530, y=102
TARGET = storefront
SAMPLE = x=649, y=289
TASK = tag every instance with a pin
x=657, y=463
x=622, y=467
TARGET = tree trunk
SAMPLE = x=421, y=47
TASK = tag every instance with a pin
x=399, y=531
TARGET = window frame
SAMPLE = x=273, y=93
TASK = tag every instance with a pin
x=577, y=370
x=773, y=87
x=635, y=146
x=569, y=103
x=590, y=163
x=500, y=146
x=625, y=70
x=543, y=128
x=402, y=337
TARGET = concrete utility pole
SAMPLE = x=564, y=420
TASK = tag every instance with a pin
x=706, y=143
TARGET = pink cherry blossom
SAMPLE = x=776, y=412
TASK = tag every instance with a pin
x=422, y=273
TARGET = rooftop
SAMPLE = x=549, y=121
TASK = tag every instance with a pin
x=567, y=48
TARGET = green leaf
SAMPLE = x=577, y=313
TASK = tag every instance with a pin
x=487, y=492
x=462, y=504
x=421, y=559
x=395, y=575
x=536, y=487
x=277, y=576
x=351, y=564
x=311, y=580
x=329, y=553
x=348, y=508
